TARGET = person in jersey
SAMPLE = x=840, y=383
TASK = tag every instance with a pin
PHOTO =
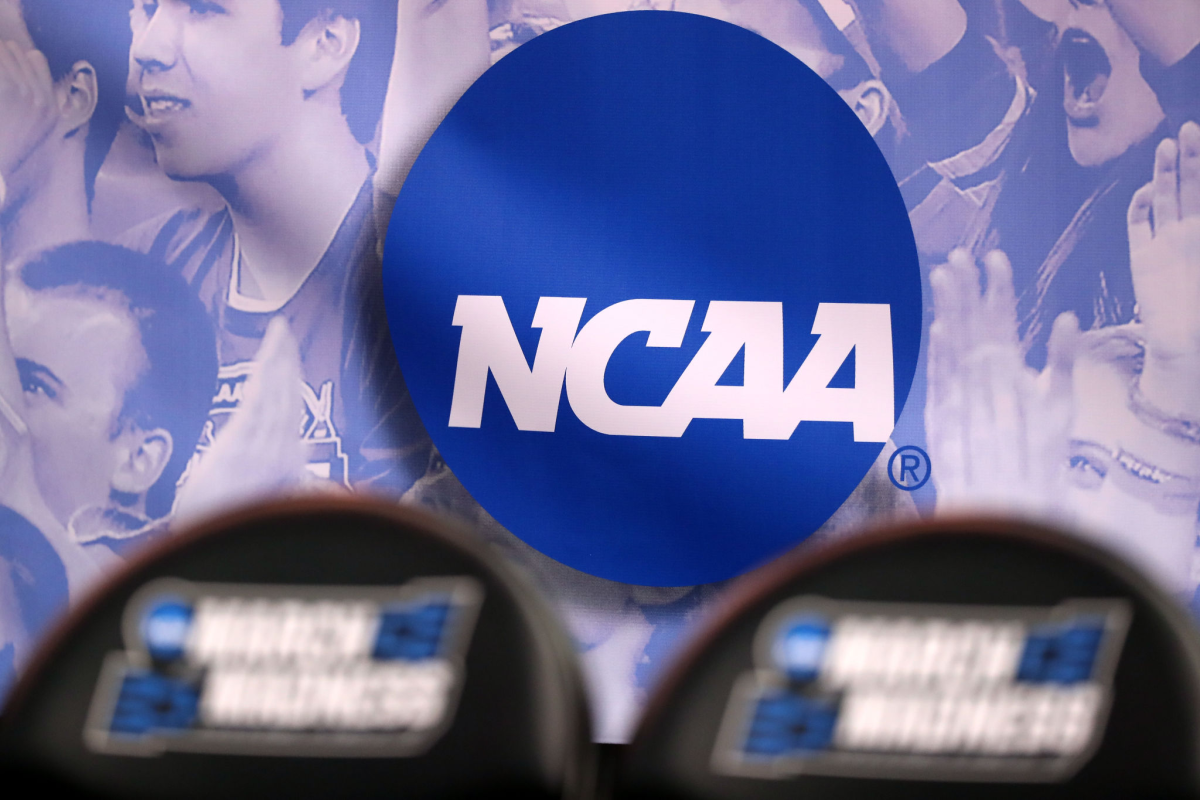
x=77, y=90
x=272, y=103
x=92, y=442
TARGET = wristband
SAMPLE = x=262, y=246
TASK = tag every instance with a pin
x=1168, y=491
x=1187, y=430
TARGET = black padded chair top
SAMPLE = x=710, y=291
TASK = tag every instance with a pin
x=321, y=648
x=962, y=658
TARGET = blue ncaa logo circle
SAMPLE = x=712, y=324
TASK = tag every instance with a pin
x=655, y=296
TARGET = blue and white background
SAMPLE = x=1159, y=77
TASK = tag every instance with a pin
x=1025, y=128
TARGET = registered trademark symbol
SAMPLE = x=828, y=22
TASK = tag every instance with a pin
x=909, y=468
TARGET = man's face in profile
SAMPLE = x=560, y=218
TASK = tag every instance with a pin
x=1109, y=105
x=77, y=356
x=216, y=85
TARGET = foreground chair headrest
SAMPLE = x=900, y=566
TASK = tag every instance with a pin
x=311, y=649
x=965, y=658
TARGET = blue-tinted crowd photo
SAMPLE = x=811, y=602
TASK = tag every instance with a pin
x=194, y=196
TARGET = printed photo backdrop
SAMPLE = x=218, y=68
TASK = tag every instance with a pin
x=195, y=194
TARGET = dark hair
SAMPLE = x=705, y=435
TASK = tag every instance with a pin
x=95, y=31
x=367, y=79
x=176, y=388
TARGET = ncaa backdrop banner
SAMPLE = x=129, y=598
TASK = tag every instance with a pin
x=637, y=310
x=664, y=294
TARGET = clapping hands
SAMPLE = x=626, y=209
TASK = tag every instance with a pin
x=1164, y=245
x=998, y=430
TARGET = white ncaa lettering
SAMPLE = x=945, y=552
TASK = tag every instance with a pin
x=767, y=409
x=758, y=327
x=865, y=328
x=489, y=343
x=666, y=321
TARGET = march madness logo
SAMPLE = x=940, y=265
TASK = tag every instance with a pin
x=285, y=670
x=659, y=316
x=893, y=690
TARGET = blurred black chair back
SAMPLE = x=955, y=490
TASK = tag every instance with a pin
x=313, y=649
x=951, y=659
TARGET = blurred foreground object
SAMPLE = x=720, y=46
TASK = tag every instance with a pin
x=318, y=649
x=963, y=657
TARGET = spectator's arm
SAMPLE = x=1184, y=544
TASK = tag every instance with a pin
x=1166, y=30
x=1164, y=243
x=911, y=35
x=441, y=48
